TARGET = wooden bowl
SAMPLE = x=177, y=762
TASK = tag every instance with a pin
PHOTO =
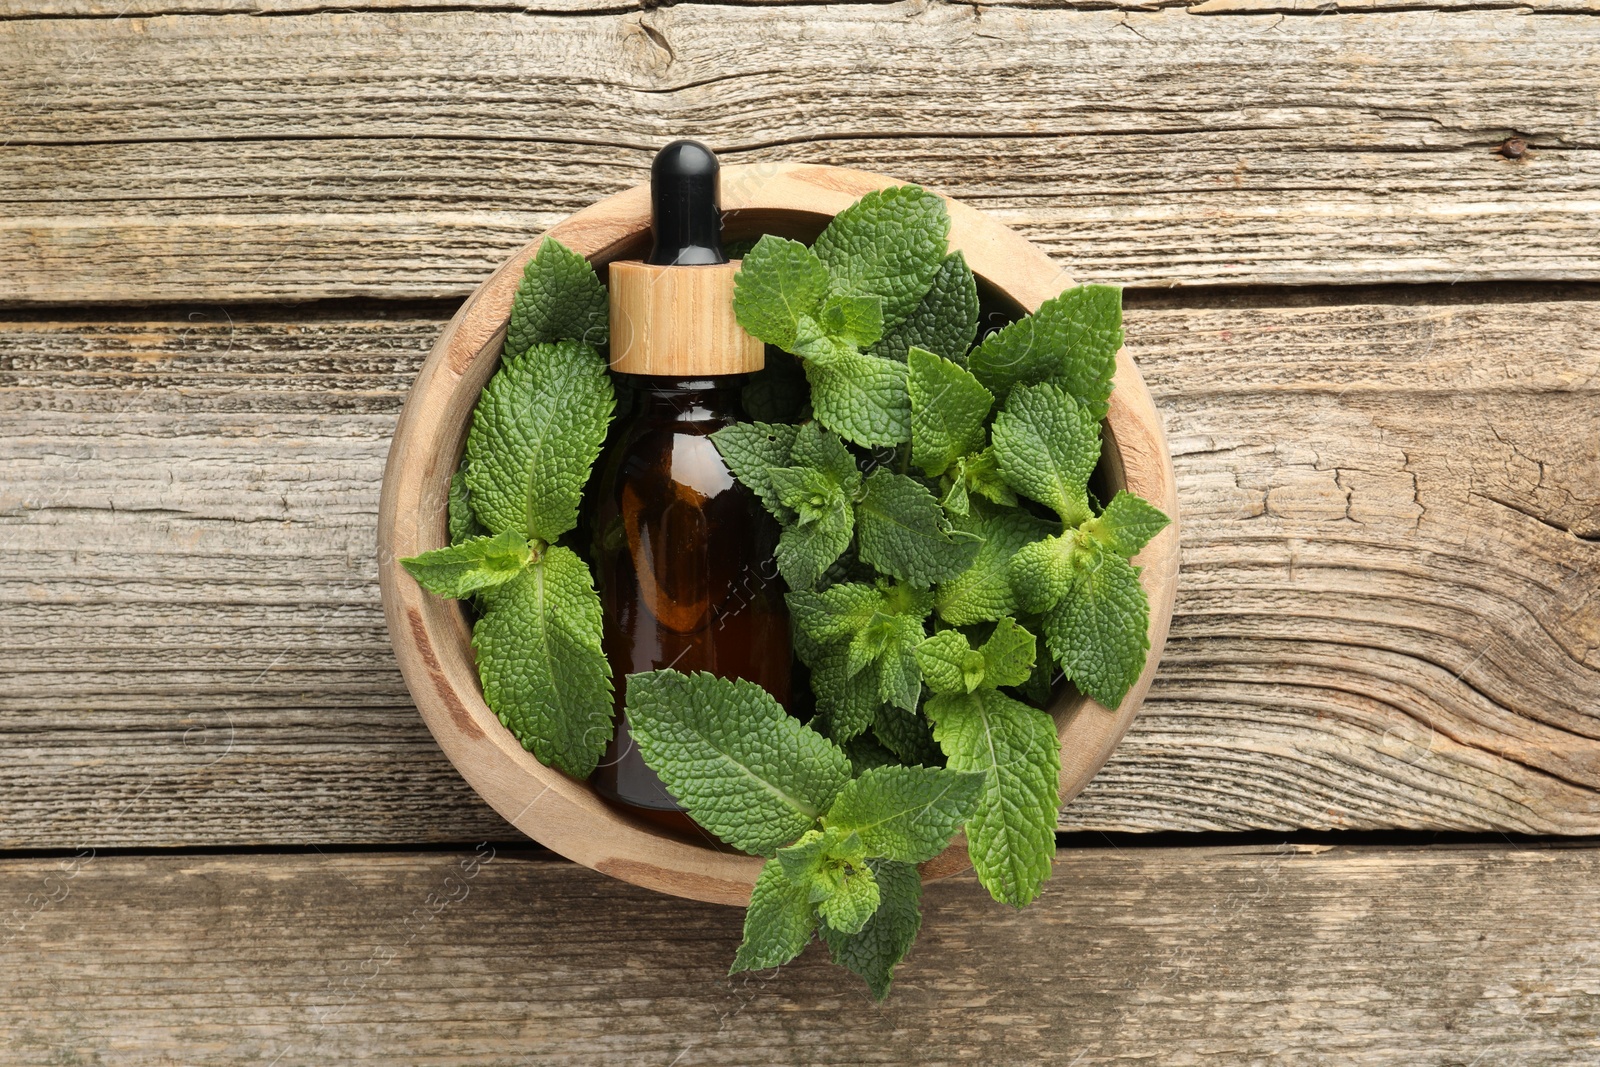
x=431, y=635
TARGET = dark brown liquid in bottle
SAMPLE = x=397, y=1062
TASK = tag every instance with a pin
x=684, y=564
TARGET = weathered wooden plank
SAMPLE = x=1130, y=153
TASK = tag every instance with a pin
x=233, y=157
x=21, y=9
x=1431, y=957
x=1387, y=614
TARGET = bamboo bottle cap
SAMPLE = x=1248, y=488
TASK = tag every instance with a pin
x=678, y=321
x=672, y=314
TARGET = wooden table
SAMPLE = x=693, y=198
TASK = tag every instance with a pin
x=1362, y=250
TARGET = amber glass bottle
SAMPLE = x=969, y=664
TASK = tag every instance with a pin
x=683, y=552
x=683, y=560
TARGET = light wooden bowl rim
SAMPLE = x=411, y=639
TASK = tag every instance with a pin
x=431, y=635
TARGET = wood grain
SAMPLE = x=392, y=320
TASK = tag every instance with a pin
x=375, y=153
x=1243, y=956
x=1389, y=616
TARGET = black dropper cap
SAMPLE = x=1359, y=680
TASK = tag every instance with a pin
x=686, y=206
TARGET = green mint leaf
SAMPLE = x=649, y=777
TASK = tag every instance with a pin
x=837, y=613
x=463, y=524
x=857, y=320
x=1100, y=630
x=847, y=701
x=981, y=473
x=946, y=319
x=779, y=284
x=1127, y=524
x=815, y=447
x=539, y=659
x=887, y=645
x=901, y=530
x=983, y=592
x=905, y=813
x=558, y=299
x=777, y=925
x=751, y=450
x=949, y=663
x=820, y=860
x=1041, y=573
x=463, y=569
x=862, y=398
x=908, y=735
x=848, y=907
x=806, y=551
x=1011, y=834
x=1008, y=654
x=810, y=494
x=889, y=244
x=742, y=766
x=887, y=936
x=948, y=411
x=955, y=501
x=535, y=434
x=1072, y=340
x=1048, y=445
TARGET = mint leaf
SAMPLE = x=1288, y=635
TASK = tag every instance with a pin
x=983, y=592
x=463, y=569
x=1041, y=573
x=908, y=735
x=1011, y=833
x=777, y=925
x=905, y=813
x=948, y=411
x=815, y=447
x=1008, y=654
x=884, y=940
x=856, y=320
x=558, y=299
x=887, y=644
x=1100, y=630
x=539, y=659
x=949, y=663
x=751, y=450
x=805, y=552
x=847, y=701
x=818, y=861
x=901, y=531
x=462, y=524
x=1127, y=524
x=946, y=319
x=889, y=244
x=837, y=613
x=1048, y=445
x=742, y=766
x=810, y=495
x=848, y=907
x=862, y=398
x=981, y=474
x=1072, y=340
x=780, y=284
x=535, y=434
x=859, y=641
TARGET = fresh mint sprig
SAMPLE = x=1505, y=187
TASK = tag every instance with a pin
x=842, y=850
x=535, y=434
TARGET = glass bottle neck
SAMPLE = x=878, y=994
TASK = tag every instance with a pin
x=689, y=399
